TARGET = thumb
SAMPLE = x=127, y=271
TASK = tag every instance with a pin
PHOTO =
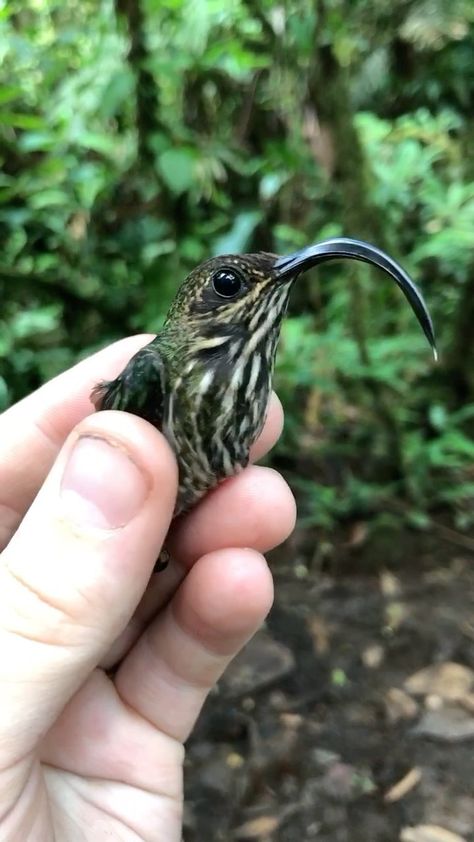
x=75, y=570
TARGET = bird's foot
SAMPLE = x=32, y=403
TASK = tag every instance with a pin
x=162, y=563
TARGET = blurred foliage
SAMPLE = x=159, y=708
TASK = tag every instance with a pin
x=136, y=138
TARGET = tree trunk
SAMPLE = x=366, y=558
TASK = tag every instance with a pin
x=147, y=95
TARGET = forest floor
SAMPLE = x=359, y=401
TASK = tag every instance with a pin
x=350, y=717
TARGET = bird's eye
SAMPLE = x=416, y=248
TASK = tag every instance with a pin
x=226, y=283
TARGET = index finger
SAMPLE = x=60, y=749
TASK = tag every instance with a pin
x=33, y=431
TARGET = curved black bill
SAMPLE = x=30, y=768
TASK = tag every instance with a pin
x=343, y=247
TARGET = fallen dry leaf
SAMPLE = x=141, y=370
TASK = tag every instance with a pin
x=320, y=633
x=450, y=724
x=358, y=534
x=261, y=663
x=429, y=833
x=389, y=584
x=234, y=760
x=433, y=702
x=403, y=786
x=372, y=656
x=448, y=680
x=291, y=720
x=396, y=613
x=259, y=828
x=399, y=705
x=468, y=702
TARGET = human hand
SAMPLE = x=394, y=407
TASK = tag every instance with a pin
x=85, y=504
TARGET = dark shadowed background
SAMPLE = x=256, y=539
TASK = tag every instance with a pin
x=139, y=137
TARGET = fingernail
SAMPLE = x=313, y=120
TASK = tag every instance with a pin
x=102, y=487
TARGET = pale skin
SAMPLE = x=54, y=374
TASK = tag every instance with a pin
x=103, y=670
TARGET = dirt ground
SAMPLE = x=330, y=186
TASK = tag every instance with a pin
x=350, y=718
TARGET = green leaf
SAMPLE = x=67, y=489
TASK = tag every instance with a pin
x=21, y=121
x=4, y=394
x=29, y=323
x=105, y=144
x=438, y=416
x=271, y=184
x=177, y=169
x=49, y=198
x=33, y=141
x=237, y=239
x=338, y=677
x=419, y=520
x=8, y=93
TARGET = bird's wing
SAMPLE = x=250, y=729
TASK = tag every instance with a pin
x=141, y=388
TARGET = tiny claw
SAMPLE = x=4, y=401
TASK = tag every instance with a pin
x=162, y=563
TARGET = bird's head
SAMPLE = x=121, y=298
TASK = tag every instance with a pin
x=249, y=292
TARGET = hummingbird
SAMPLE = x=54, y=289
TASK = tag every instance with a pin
x=205, y=380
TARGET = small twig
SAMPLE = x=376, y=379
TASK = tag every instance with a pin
x=453, y=536
x=446, y=532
